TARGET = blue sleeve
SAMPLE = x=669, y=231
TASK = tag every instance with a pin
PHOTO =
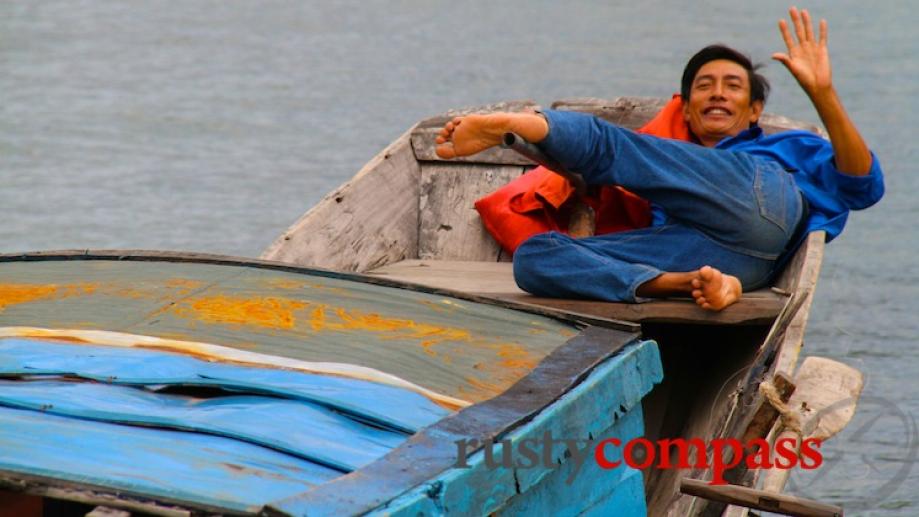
x=857, y=192
x=814, y=156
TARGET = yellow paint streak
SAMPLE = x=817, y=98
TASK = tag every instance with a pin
x=317, y=318
x=515, y=356
x=184, y=285
x=269, y=312
x=15, y=294
x=393, y=328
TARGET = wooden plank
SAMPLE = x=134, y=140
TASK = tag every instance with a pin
x=766, y=415
x=801, y=276
x=450, y=227
x=495, y=279
x=759, y=499
x=628, y=112
x=370, y=221
x=67, y=491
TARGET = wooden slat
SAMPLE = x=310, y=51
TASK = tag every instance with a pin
x=800, y=275
x=760, y=500
x=628, y=112
x=495, y=279
x=450, y=228
x=370, y=221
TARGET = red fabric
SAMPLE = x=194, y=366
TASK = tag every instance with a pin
x=536, y=201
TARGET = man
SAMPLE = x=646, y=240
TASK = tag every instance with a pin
x=732, y=204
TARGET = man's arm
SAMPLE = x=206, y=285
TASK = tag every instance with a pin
x=808, y=60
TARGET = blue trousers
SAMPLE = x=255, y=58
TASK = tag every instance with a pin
x=729, y=210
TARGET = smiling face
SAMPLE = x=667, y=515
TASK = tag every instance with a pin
x=719, y=102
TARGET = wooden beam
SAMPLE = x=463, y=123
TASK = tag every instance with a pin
x=766, y=416
x=759, y=499
x=496, y=280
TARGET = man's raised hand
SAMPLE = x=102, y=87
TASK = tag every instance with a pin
x=807, y=59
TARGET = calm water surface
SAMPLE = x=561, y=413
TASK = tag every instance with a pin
x=212, y=125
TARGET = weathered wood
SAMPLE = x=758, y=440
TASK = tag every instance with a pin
x=105, y=511
x=628, y=112
x=760, y=426
x=759, y=499
x=79, y=493
x=495, y=279
x=800, y=275
x=827, y=394
x=370, y=221
x=766, y=415
x=449, y=226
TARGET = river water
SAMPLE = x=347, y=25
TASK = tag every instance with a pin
x=212, y=125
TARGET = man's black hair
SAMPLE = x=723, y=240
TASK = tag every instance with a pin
x=759, y=85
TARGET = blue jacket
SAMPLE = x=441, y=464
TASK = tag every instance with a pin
x=829, y=192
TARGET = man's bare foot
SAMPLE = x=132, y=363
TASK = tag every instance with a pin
x=714, y=290
x=710, y=288
x=472, y=134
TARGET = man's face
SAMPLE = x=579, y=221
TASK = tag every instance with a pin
x=719, y=102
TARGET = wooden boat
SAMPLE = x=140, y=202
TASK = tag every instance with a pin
x=409, y=216
x=178, y=384
x=338, y=374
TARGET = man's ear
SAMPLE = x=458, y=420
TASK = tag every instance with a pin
x=685, y=112
x=757, y=111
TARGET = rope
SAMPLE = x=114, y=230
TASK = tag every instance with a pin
x=791, y=419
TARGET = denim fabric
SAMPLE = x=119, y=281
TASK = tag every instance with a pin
x=733, y=211
x=611, y=267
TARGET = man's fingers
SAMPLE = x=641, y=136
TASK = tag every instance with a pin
x=799, y=25
x=824, y=30
x=786, y=34
x=808, y=26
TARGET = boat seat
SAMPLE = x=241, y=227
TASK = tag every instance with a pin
x=495, y=280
